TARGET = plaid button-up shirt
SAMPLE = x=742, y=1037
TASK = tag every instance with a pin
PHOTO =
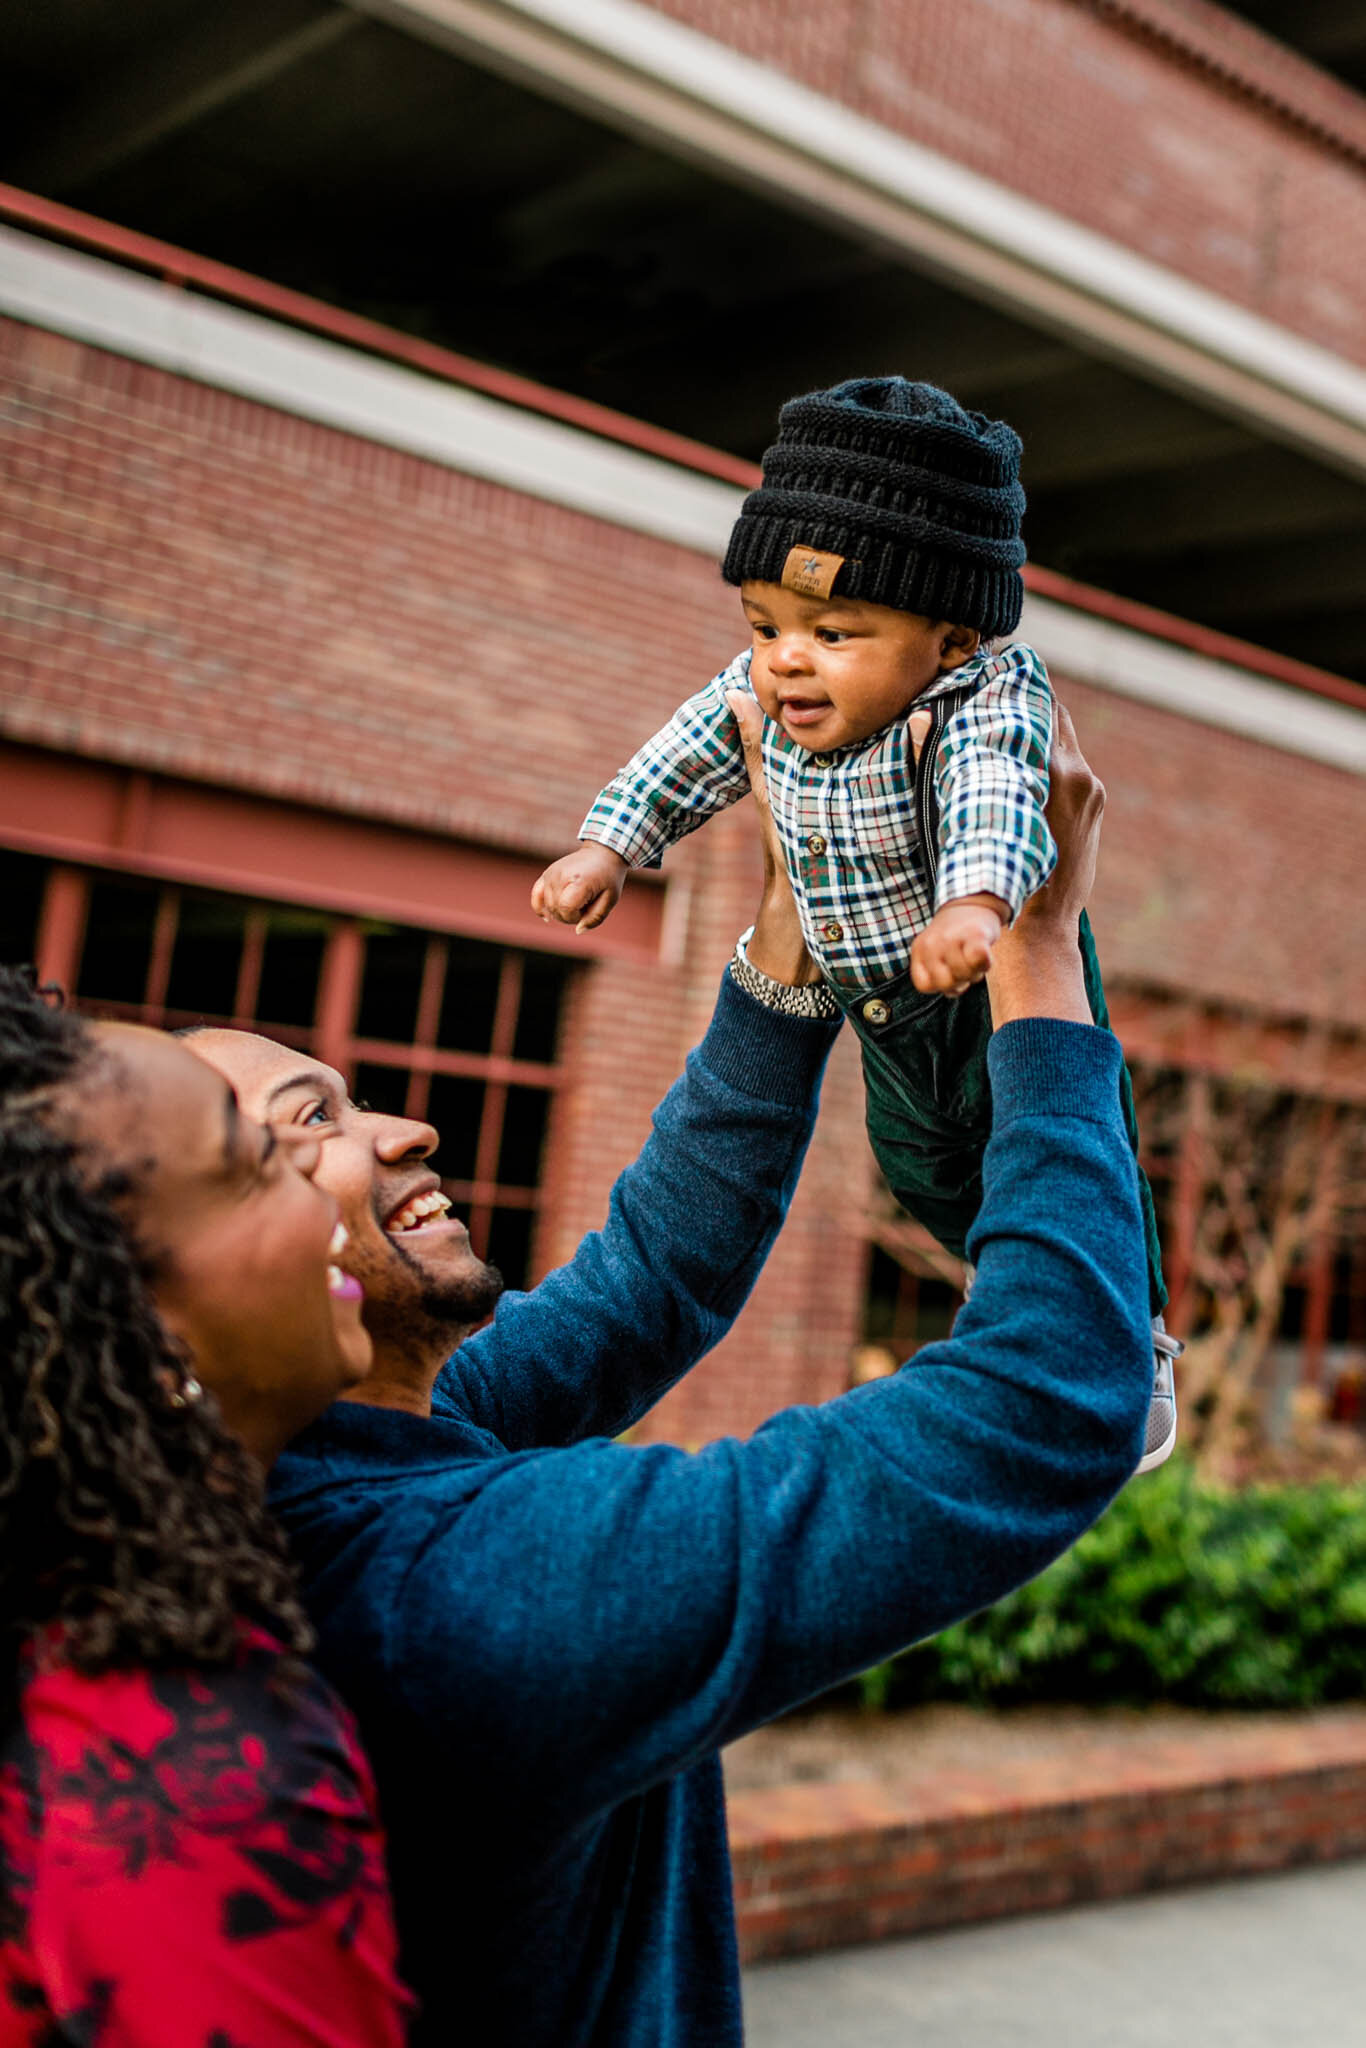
x=847, y=820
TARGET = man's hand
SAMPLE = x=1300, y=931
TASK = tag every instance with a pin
x=1076, y=804
x=581, y=889
x=1036, y=967
x=954, y=950
x=777, y=948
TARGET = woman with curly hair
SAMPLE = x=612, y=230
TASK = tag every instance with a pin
x=189, y=1850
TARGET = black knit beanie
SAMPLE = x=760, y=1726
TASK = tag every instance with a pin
x=890, y=491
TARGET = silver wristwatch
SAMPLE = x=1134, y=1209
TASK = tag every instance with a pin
x=811, y=999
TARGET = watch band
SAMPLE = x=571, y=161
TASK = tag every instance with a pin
x=811, y=999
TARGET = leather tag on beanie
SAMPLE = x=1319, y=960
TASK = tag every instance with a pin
x=810, y=573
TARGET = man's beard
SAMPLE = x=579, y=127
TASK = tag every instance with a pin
x=443, y=1311
x=459, y=1304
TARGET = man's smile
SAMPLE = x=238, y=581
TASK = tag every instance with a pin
x=424, y=1208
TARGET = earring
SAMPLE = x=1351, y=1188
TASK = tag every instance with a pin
x=187, y=1393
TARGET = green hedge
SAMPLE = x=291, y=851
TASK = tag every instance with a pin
x=1181, y=1592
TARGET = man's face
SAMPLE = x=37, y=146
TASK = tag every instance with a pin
x=833, y=671
x=424, y=1287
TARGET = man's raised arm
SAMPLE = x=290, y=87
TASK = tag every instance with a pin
x=667, y=1602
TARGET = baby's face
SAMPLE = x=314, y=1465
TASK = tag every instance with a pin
x=834, y=670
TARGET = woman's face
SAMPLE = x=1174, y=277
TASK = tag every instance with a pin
x=243, y=1245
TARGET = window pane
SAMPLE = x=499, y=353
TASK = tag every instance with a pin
x=454, y=1107
x=118, y=942
x=509, y=1249
x=882, y=1298
x=382, y=1088
x=1292, y=1312
x=471, y=997
x=538, y=1021
x=23, y=877
x=903, y=1310
x=207, y=955
x=394, y=961
x=936, y=1306
x=291, y=962
x=519, y=1155
x=1341, y=1301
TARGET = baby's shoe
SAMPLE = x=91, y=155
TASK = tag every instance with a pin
x=1160, y=1438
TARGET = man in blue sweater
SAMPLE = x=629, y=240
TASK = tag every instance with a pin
x=547, y=1636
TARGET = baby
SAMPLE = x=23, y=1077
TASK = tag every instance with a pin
x=906, y=763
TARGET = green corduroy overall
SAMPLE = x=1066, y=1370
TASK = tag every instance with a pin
x=925, y=1070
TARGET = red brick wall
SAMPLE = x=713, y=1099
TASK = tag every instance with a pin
x=201, y=585
x=208, y=587
x=1226, y=865
x=413, y=643
x=1182, y=154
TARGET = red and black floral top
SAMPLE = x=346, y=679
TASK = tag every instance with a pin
x=190, y=1859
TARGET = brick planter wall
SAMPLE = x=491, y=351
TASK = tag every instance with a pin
x=824, y=1866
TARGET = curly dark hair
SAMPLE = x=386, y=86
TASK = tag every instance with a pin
x=135, y=1523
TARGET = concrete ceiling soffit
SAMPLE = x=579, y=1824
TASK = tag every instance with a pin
x=656, y=79
x=193, y=72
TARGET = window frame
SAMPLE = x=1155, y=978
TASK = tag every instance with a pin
x=333, y=1036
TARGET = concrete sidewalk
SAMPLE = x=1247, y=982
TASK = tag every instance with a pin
x=1273, y=1962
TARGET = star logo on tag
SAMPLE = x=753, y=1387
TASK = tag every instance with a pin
x=810, y=572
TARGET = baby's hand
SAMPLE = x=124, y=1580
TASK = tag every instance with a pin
x=954, y=950
x=582, y=889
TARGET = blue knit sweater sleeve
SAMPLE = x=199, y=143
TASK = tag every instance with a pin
x=688, y=1229
x=593, y=1619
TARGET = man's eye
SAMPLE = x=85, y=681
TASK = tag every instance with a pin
x=320, y=1113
